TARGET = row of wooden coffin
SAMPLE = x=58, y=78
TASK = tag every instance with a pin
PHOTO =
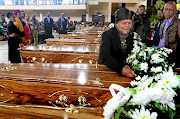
x=47, y=89
x=55, y=90
x=66, y=49
x=75, y=47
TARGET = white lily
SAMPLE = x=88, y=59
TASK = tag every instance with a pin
x=141, y=98
x=141, y=53
x=144, y=66
x=143, y=114
x=157, y=69
x=138, y=78
x=135, y=83
x=149, y=50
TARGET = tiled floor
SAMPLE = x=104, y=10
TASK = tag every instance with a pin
x=3, y=52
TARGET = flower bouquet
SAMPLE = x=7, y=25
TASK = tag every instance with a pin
x=153, y=91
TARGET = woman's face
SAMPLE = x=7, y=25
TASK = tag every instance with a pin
x=13, y=18
x=124, y=26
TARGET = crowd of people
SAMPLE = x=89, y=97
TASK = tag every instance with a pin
x=46, y=27
x=24, y=30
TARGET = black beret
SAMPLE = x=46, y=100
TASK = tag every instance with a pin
x=9, y=14
x=122, y=14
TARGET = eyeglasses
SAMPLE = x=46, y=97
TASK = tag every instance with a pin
x=170, y=10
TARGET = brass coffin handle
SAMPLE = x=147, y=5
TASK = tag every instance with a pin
x=81, y=61
x=91, y=61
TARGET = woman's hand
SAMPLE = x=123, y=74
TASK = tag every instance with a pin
x=126, y=71
x=15, y=35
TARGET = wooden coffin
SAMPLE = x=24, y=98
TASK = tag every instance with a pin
x=46, y=112
x=60, y=54
x=91, y=31
x=83, y=33
x=97, y=38
x=71, y=41
x=36, y=88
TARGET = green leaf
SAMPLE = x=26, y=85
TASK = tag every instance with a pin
x=150, y=105
x=129, y=103
x=171, y=113
x=148, y=57
x=142, y=59
x=160, y=107
x=153, y=84
x=163, y=64
x=131, y=91
x=153, y=74
x=145, y=47
x=117, y=115
x=136, y=68
x=178, y=76
x=138, y=57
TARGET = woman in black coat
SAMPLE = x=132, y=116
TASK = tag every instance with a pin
x=14, y=40
x=117, y=43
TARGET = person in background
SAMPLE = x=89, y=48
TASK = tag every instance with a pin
x=141, y=24
x=3, y=17
x=41, y=36
x=117, y=43
x=170, y=32
x=19, y=23
x=35, y=29
x=71, y=26
x=28, y=19
x=68, y=18
x=27, y=31
x=14, y=39
x=23, y=16
x=48, y=26
x=42, y=26
x=155, y=36
x=3, y=21
x=106, y=24
x=62, y=24
x=78, y=26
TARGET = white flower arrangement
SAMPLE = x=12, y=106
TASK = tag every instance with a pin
x=143, y=114
x=154, y=88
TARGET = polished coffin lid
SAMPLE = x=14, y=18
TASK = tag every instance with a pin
x=72, y=40
x=64, y=49
x=33, y=85
x=79, y=36
x=98, y=30
x=66, y=74
x=41, y=83
x=46, y=112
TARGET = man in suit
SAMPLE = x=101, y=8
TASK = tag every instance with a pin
x=117, y=43
x=35, y=29
x=155, y=37
x=62, y=24
x=170, y=32
x=48, y=26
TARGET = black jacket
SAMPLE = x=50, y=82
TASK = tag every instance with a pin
x=48, y=25
x=142, y=29
x=110, y=53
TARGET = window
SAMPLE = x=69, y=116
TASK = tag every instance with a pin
x=22, y=2
x=41, y=2
x=2, y=2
